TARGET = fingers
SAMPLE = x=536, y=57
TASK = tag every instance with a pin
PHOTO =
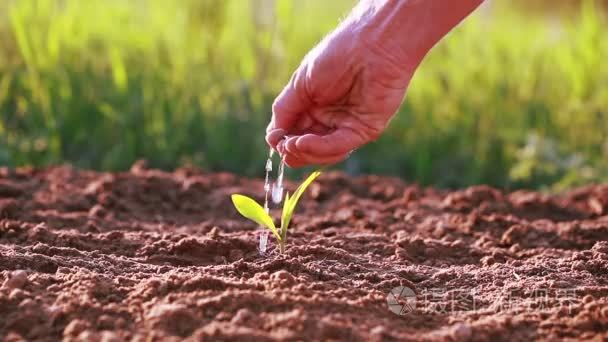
x=339, y=142
x=322, y=148
x=305, y=124
x=295, y=158
x=301, y=160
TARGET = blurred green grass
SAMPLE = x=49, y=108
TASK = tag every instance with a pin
x=507, y=99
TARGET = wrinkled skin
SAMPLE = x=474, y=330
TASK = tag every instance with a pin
x=347, y=88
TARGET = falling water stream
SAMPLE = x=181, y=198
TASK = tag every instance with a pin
x=277, y=187
x=276, y=194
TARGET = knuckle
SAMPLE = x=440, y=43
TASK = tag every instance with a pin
x=276, y=106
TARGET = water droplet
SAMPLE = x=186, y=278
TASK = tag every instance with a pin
x=277, y=193
x=281, y=171
x=263, y=242
x=269, y=164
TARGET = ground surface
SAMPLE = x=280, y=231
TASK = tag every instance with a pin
x=100, y=256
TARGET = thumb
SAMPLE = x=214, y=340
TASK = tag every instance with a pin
x=288, y=107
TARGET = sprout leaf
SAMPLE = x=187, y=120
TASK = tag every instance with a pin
x=290, y=202
x=253, y=211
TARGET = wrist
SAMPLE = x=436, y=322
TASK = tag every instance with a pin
x=405, y=30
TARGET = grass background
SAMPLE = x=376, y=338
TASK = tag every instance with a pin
x=517, y=96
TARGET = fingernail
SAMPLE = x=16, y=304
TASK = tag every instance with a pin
x=280, y=147
x=273, y=137
x=290, y=144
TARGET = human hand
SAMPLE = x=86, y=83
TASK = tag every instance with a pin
x=342, y=96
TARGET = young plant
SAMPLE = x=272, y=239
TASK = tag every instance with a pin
x=250, y=209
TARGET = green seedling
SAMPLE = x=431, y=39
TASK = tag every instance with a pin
x=250, y=209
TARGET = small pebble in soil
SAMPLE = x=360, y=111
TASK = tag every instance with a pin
x=26, y=303
x=344, y=214
x=219, y=259
x=13, y=336
x=89, y=335
x=242, y=316
x=214, y=233
x=378, y=333
x=120, y=322
x=488, y=260
x=75, y=327
x=16, y=294
x=401, y=253
x=105, y=322
x=284, y=277
x=604, y=313
x=16, y=280
x=109, y=336
x=462, y=331
x=54, y=311
x=97, y=211
x=559, y=284
x=515, y=248
x=174, y=318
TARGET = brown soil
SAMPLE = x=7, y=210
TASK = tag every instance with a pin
x=149, y=254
